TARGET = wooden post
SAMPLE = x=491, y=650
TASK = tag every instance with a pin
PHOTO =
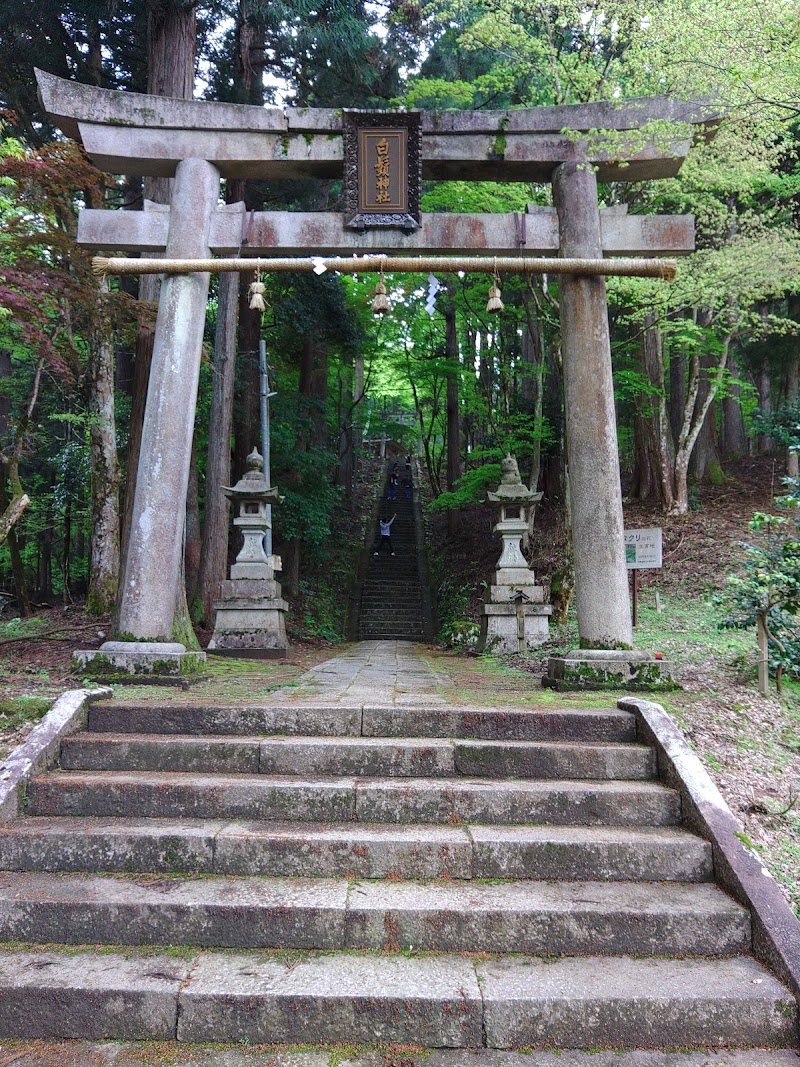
x=635, y=574
x=763, y=655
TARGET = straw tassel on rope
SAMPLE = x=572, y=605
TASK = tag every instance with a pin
x=495, y=304
x=380, y=302
x=256, y=294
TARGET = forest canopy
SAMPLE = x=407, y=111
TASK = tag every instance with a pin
x=693, y=362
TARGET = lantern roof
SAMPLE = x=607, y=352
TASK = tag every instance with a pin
x=253, y=485
x=511, y=489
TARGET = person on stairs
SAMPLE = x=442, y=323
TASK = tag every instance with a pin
x=386, y=534
x=392, y=485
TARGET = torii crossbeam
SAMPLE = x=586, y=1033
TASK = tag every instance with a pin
x=198, y=143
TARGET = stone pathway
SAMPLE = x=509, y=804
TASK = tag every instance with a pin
x=372, y=672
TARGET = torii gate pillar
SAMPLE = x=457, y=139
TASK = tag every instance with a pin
x=149, y=588
x=601, y=577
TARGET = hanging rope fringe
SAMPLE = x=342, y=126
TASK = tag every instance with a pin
x=667, y=269
x=495, y=304
x=256, y=294
x=380, y=302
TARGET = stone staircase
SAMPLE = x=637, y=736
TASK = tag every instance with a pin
x=432, y=875
x=391, y=601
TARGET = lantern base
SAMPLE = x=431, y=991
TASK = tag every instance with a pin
x=507, y=629
x=250, y=627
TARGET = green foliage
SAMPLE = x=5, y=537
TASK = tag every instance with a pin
x=769, y=587
x=470, y=488
x=479, y=197
x=782, y=426
x=453, y=598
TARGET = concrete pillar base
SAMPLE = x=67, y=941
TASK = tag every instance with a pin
x=135, y=658
x=608, y=669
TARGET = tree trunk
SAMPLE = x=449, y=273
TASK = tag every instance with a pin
x=214, y=549
x=12, y=513
x=733, y=439
x=246, y=424
x=654, y=460
x=319, y=396
x=764, y=387
x=66, y=553
x=452, y=413
x=105, y=549
x=292, y=568
x=171, y=47
x=677, y=394
x=17, y=566
x=44, y=571
x=24, y=609
x=693, y=418
x=792, y=384
x=705, y=463
x=191, y=542
x=562, y=582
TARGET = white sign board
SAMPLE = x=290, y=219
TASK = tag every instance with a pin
x=643, y=548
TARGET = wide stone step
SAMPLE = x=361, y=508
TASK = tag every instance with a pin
x=434, y=1001
x=511, y=724
x=394, y=612
x=531, y=917
x=403, y=629
x=385, y=571
x=405, y=608
x=391, y=600
x=189, y=1054
x=399, y=603
x=327, y=799
x=380, y=620
x=355, y=850
x=390, y=595
x=411, y=757
x=500, y=724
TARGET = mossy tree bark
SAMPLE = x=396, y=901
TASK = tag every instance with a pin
x=793, y=384
x=654, y=459
x=214, y=548
x=10, y=488
x=453, y=411
x=104, y=552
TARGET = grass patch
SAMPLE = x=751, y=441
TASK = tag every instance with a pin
x=14, y=628
x=16, y=711
x=783, y=859
x=226, y=680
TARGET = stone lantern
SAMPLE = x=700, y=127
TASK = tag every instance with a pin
x=250, y=611
x=514, y=615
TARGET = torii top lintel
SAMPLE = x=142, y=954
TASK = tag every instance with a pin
x=130, y=133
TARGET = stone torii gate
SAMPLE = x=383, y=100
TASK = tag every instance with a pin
x=199, y=142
